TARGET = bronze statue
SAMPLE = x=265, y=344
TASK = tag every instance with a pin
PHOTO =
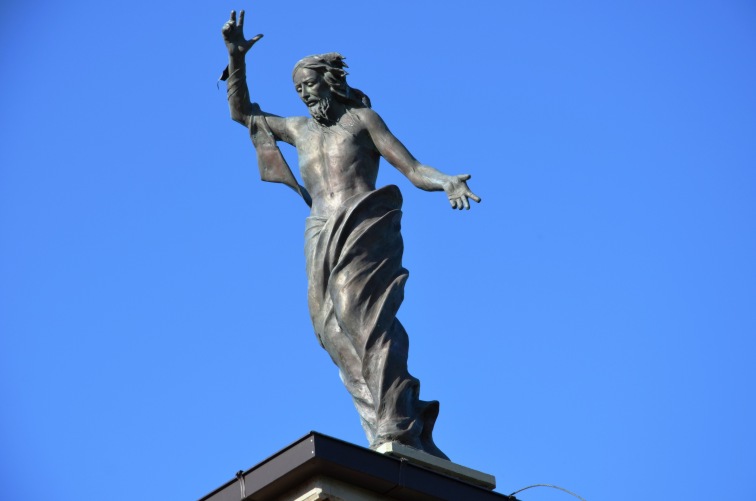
x=353, y=244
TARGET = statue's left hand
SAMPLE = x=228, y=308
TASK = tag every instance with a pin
x=458, y=192
x=233, y=35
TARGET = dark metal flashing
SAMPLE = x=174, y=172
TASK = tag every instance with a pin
x=317, y=454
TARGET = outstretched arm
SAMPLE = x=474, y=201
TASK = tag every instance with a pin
x=242, y=109
x=423, y=176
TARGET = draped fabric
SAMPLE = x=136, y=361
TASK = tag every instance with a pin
x=356, y=285
x=271, y=163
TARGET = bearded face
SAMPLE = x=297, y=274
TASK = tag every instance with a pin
x=320, y=110
x=315, y=93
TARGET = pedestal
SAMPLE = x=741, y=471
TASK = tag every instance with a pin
x=318, y=468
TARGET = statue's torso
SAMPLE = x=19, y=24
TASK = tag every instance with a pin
x=336, y=162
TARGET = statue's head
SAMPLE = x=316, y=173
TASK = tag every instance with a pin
x=321, y=78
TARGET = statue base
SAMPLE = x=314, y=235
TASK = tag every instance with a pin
x=318, y=468
x=434, y=463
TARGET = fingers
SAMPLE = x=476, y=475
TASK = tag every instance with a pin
x=459, y=203
x=241, y=19
x=254, y=40
x=228, y=28
x=464, y=177
x=462, y=202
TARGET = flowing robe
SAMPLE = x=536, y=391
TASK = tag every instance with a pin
x=355, y=287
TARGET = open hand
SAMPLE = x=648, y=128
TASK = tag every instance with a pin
x=458, y=192
x=233, y=35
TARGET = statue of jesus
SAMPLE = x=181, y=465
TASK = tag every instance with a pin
x=353, y=244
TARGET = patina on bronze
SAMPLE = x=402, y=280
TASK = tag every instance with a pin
x=353, y=244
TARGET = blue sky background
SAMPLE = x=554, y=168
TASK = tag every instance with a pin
x=590, y=324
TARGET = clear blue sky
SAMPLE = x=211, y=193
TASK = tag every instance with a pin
x=591, y=324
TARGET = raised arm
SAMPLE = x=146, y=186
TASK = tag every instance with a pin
x=242, y=109
x=423, y=176
x=236, y=73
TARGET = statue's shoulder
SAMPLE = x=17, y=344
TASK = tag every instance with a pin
x=297, y=121
x=296, y=125
x=367, y=116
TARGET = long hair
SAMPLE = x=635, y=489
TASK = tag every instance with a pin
x=331, y=67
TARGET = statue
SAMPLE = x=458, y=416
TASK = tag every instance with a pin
x=353, y=244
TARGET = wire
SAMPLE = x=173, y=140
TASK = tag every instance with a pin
x=240, y=476
x=547, y=485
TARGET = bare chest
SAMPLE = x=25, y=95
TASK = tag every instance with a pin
x=334, y=146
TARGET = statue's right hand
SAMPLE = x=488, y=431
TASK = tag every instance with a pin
x=233, y=35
